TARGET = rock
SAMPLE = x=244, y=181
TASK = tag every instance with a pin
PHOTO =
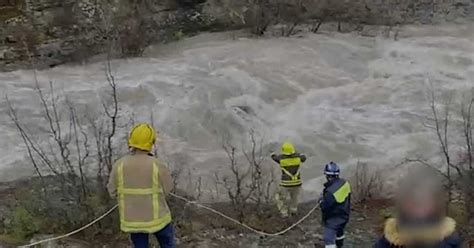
x=56, y=52
x=17, y=20
x=316, y=236
x=3, y=50
x=7, y=221
x=10, y=39
x=360, y=219
x=11, y=54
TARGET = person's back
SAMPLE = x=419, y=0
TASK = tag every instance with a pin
x=141, y=173
x=288, y=193
x=335, y=204
x=140, y=184
x=336, y=211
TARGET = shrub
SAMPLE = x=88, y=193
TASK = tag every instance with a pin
x=249, y=184
x=178, y=35
x=23, y=224
x=366, y=183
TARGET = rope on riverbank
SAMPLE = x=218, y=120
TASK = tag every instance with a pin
x=189, y=202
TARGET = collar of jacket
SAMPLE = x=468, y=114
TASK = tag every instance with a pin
x=437, y=233
x=292, y=155
x=332, y=182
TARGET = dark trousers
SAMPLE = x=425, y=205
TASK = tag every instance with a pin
x=334, y=237
x=165, y=238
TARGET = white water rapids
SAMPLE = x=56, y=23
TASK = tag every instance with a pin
x=339, y=97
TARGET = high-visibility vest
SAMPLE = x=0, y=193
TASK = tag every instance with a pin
x=290, y=166
x=151, y=195
x=342, y=193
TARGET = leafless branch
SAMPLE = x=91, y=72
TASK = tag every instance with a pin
x=428, y=165
x=111, y=114
x=459, y=175
x=80, y=159
x=24, y=136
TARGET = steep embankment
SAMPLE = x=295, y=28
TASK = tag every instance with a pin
x=44, y=33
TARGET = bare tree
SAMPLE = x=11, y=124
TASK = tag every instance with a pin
x=291, y=14
x=246, y=184
x=111, y=111
x=466, y=158
x=366, y=183
x=68, y=151
x=65, y=150
x=440, y=124
x=454, y=129
x=260, y=16
x=316, y=25
x=105, y=129
x=255, y=159
x=238, y=189
x=82, y=146
x=31, y=149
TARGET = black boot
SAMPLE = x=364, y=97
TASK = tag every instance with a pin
x=340, y=243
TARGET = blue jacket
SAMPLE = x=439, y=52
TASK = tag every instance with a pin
x=391, y=237
x=336, y=204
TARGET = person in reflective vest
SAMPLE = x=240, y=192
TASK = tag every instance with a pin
x=335, y=206
x=290, y=185
x=140, y=182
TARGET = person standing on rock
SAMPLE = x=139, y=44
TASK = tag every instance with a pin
x=421, y=219
x=335, y=204
x=290, y=185
x=141, y=183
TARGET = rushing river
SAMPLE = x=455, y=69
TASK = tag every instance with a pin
x=339, y=97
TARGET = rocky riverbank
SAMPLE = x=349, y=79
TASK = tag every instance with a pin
x=195, y=227
x=45, y=33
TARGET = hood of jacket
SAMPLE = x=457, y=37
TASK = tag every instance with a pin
x=427, y=235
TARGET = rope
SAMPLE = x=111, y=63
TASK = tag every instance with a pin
x=247, y=226
x=189, y=202
x=73, y=232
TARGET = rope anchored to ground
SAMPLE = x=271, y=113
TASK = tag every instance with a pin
x=189, y=202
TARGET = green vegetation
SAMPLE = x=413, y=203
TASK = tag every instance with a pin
x=11, y=10
x=29, y=214
x=179, y=35
x=23, y=224
x=9, y=239
x=8, y=13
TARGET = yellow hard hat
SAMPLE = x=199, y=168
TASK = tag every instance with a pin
x=142, y=137
x=287, y=148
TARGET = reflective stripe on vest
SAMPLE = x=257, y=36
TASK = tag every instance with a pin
x=342, y=193
x=154, y=225
x=295, y=179
x=286, y=162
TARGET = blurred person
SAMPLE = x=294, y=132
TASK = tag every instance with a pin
x=141, y=183
x=335, y=204
x=290, y=185
x=420, y=221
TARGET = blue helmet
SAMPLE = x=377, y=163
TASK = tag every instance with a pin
x=332, y=169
